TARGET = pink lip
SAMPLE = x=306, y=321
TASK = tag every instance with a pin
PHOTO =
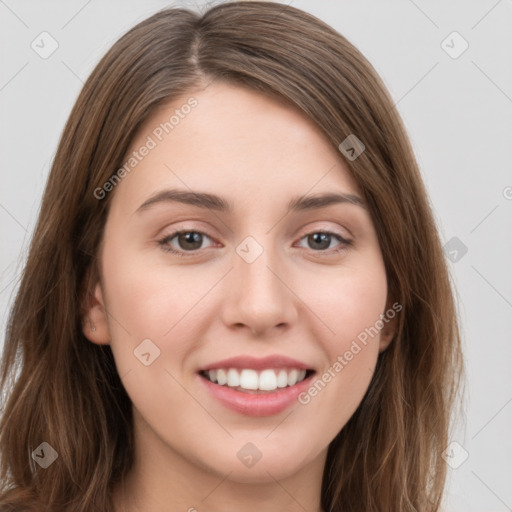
x=253, y=404
x=255, y=363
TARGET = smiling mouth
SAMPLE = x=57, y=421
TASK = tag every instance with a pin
x=252, y=381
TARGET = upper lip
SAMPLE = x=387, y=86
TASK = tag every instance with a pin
x=257, y=363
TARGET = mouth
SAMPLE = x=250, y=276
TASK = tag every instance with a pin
x=256, y=386
x=252, y=381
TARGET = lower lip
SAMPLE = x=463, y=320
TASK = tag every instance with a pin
x=261, y=404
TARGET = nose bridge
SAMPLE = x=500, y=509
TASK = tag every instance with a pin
x=259, y=298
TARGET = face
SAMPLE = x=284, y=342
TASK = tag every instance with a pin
x=237, y=303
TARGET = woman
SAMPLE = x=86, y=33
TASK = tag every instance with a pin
x=236, y=296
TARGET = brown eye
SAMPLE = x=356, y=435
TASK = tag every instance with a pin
x=181, y=242
x=190, y=240
x=321, y=241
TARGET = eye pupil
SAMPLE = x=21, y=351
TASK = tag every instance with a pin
x=324, y=239
x=190, y=237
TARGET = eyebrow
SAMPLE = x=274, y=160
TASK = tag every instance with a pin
x=217, y=203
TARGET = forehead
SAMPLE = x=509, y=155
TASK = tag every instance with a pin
x=234, y=140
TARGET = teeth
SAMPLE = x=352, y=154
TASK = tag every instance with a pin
x=266, y=380
x=222, y=378
x=248, y=379
x=282, y=379
x=292, y=377
x=233, y=378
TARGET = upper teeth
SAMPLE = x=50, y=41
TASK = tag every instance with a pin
x=266, y=380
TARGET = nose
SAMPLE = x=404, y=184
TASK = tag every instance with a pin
x=259, y=296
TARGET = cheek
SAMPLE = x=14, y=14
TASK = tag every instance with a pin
x=141, y=290
x=348, y=301
x=148, y=301
x=349, y=307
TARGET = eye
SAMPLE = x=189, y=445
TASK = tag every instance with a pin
x=321, y=241
x=182, y=242
x=187, y=241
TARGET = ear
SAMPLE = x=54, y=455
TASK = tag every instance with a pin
x=94, y=320
x=390, y=320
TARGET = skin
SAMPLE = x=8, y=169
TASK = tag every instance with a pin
x=297, y=298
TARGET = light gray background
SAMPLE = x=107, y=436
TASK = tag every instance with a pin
x=457, y=112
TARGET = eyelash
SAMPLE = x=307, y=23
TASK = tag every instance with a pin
x=163, y=243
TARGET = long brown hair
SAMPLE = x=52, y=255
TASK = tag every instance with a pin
x=64, y=390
